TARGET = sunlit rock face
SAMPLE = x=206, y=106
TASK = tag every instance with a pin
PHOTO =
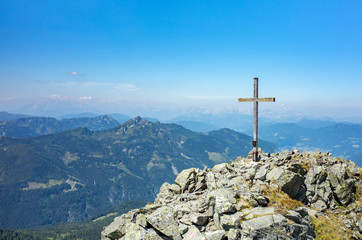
x=282, y=196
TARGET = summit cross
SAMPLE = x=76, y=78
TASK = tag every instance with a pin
x=256, y=100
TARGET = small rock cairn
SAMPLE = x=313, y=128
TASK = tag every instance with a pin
x=274, y=198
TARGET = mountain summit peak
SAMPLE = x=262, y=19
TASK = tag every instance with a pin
x=284, y=195
x=139, y=121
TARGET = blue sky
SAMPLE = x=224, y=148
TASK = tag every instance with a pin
x=114, y=56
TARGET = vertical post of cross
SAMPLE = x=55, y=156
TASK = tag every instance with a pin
x=256, y=100
x=255, y=135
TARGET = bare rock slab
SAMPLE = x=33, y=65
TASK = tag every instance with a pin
x=163, y=220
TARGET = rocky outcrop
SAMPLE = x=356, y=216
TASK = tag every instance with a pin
x=275, y=198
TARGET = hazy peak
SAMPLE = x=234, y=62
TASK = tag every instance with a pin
x=138, y=121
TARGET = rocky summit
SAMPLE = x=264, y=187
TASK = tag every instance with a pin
x=287, y=195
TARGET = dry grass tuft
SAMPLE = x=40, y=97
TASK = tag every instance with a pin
x=358, y=194
x=330, y=227
x=280, y=200
x=305, y=164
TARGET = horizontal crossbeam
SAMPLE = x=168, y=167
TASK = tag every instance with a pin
x=256, y=99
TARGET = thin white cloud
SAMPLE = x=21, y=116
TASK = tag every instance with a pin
x=75, y=74
x=7, y=99
x=67, y=98
x=63, y=83
x=95, y=84
x=127, y=87
x=86, y=98
x=56, y=96
x=71, y=73
x=83, y=84
x=207, y=97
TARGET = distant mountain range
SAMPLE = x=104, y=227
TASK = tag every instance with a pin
x=197, y=126
x=343, y=140
x=309, y=123
x=203, y=122
x=121, y=118
x=79, y=115
x=236, y=121
x=37, y=126
x=77, y=174
x=5, y=116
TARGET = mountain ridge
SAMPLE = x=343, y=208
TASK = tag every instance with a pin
x=77, y=174
x=5, y=116
x=37, y=126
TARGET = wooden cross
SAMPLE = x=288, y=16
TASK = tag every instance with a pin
x=255, y=100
